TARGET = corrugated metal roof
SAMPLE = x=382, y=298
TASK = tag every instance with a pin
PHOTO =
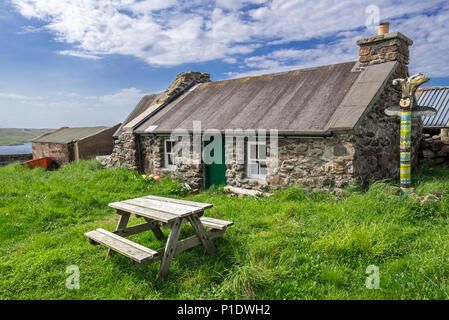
x=143, y=105
x=66, y=135
x=309, y=101
x=438, y=98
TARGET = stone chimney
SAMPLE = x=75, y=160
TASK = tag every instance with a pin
x=183, y=82
x=386, y=46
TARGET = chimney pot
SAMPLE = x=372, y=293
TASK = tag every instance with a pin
x=384, y=28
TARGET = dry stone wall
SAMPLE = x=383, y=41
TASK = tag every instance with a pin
x=189, y=169
x=376, y=138
x=316, y=163
x=124, y=153
x=6, y=159
x=434, y=149
x=60, y=153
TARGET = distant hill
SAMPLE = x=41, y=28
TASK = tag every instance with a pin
x=9, y=136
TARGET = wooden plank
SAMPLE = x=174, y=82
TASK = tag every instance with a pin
x=194, y=241
x=156, y=230
x=129, y=242
x=202, y=234
x=158, y=233
x=173, y=208
x=215, y=223
x=127, y=248
x=139, y=228
x=144, y=212
x=185, y=202
x=170, y=248
x=184, y=245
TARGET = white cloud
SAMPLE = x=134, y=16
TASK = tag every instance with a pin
x=30, y=29
x=123, y=97
x=169, y=32
x=79, y=54
x=15, y=96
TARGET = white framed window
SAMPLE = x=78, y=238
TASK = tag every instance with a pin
x=169, y=154
x=257, y=160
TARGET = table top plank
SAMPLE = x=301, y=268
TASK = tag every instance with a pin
x=163, y=206
x=144, y=212
x=184, y=202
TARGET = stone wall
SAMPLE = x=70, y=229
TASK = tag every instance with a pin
x=60, y=153
x=313, y=162
x=124, y=153
x=434, y=149
x=6, y=159
x=376, y=138
x=188, y=169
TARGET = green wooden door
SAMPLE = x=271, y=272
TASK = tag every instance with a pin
x=215, y=173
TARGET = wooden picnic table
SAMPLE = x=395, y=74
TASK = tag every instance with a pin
x=159, y=212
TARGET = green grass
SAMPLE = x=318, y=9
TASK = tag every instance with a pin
x=10, y=136
x=293, y=245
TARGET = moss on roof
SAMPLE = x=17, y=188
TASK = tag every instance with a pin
x=66, y=135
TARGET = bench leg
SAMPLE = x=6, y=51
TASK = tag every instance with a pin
x=156, y=231
x=170, y=248
x=202, y=234
x=122, y=223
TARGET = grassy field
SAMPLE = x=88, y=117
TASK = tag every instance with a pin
x=9, y=136
x=293, y=245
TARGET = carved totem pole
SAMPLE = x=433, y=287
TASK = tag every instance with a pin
x=407, y=109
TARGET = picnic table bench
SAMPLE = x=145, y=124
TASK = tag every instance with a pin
x=159, y=212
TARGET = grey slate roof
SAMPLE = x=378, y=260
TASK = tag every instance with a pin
x=310, y=101
x=66, y=135
x=438, y=98
x=143, y=104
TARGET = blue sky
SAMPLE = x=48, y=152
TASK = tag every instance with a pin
x=88, y=62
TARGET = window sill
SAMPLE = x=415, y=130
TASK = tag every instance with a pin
x=256, y=179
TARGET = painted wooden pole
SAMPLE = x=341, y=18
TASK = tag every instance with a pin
x=407, y=109
x=406, y=142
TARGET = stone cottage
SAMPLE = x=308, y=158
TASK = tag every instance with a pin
x=329, y=121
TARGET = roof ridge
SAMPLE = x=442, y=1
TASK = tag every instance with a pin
x=283, y=72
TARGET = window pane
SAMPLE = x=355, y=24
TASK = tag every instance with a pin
x=254, y=169
x=252, y=151
x=262, y=151
x=171, y=159
x=263, y=168
x=168, y=146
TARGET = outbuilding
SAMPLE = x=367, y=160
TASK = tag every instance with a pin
x=72, y=144
x=435, y=144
